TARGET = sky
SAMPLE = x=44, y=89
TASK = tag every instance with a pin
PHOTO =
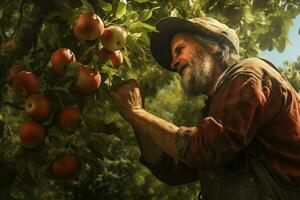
x=292, y=50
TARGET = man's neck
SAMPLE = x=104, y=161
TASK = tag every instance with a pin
x=217, y=74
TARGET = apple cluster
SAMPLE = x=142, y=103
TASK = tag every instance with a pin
x=89, y=26
x=39, y=108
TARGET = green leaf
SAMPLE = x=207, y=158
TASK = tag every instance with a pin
x=278, y=25
x=142, y=1
x=99, y=143
x=94, y=122
x=87, y=6
x=53, y=131
x=146, y=14
x=280, y=44
x=106, y=7
x=50, y=34
x=140, y=27
x=72, y=68
x=265, y=41
x=126, y=58
x=121, y=9
x=74, y=14
x=134, y=45
x=108, y=70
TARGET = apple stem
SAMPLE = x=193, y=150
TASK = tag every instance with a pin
x=14, y=105
x=85, y=53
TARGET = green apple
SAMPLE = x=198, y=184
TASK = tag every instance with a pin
x=113, y=38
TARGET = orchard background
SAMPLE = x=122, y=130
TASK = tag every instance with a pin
x=106, y=165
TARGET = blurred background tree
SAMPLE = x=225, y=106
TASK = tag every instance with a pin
x=31, y=30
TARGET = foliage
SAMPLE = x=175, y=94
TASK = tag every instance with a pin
x=292, y=72
x=30, y=31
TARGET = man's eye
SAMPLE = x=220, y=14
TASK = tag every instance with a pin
x=178, y=50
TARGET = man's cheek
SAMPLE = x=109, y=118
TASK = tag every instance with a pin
x=185, y=55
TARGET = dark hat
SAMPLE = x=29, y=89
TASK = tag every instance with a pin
x=205, y=26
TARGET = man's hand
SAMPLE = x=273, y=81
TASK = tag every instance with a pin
x=127, y=97
x=154, y=134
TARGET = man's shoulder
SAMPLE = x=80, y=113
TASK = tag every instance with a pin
x=255, y=63
x=251, y=67
x=255, y=66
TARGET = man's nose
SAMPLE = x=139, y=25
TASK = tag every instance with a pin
x=174, y=63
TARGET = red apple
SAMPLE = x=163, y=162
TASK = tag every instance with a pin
x=88, y=26
x=65, y=166
x=88, y=81
x=25, y=83
x=31, y=134
x=116, y=57
x=68, y=119
x=12, y=72
x=37, y=107
x=60, y=58
x=113, y=38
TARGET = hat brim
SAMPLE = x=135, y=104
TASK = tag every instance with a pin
x=160, y=41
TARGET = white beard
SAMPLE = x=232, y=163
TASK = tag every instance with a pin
x=197, y=77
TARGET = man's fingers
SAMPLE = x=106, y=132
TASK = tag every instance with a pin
x=132, y=81
x=124, y=84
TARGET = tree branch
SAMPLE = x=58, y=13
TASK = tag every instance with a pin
x=21, y=12
x=14, y=105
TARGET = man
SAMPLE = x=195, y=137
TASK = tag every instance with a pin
x=247, y=145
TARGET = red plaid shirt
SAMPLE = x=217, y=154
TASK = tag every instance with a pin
x=252, y=100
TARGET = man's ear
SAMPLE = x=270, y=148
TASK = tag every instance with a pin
x=213, y=48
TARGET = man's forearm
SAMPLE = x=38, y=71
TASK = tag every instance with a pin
x=150, y=151
x=159, y=131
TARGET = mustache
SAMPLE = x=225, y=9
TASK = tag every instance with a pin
x=180, y=66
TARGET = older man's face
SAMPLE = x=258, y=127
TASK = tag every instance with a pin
x=195, y=64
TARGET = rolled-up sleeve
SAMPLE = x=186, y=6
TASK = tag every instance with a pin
x=236, y=113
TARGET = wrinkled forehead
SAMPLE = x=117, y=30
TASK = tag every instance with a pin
x=181, y=37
